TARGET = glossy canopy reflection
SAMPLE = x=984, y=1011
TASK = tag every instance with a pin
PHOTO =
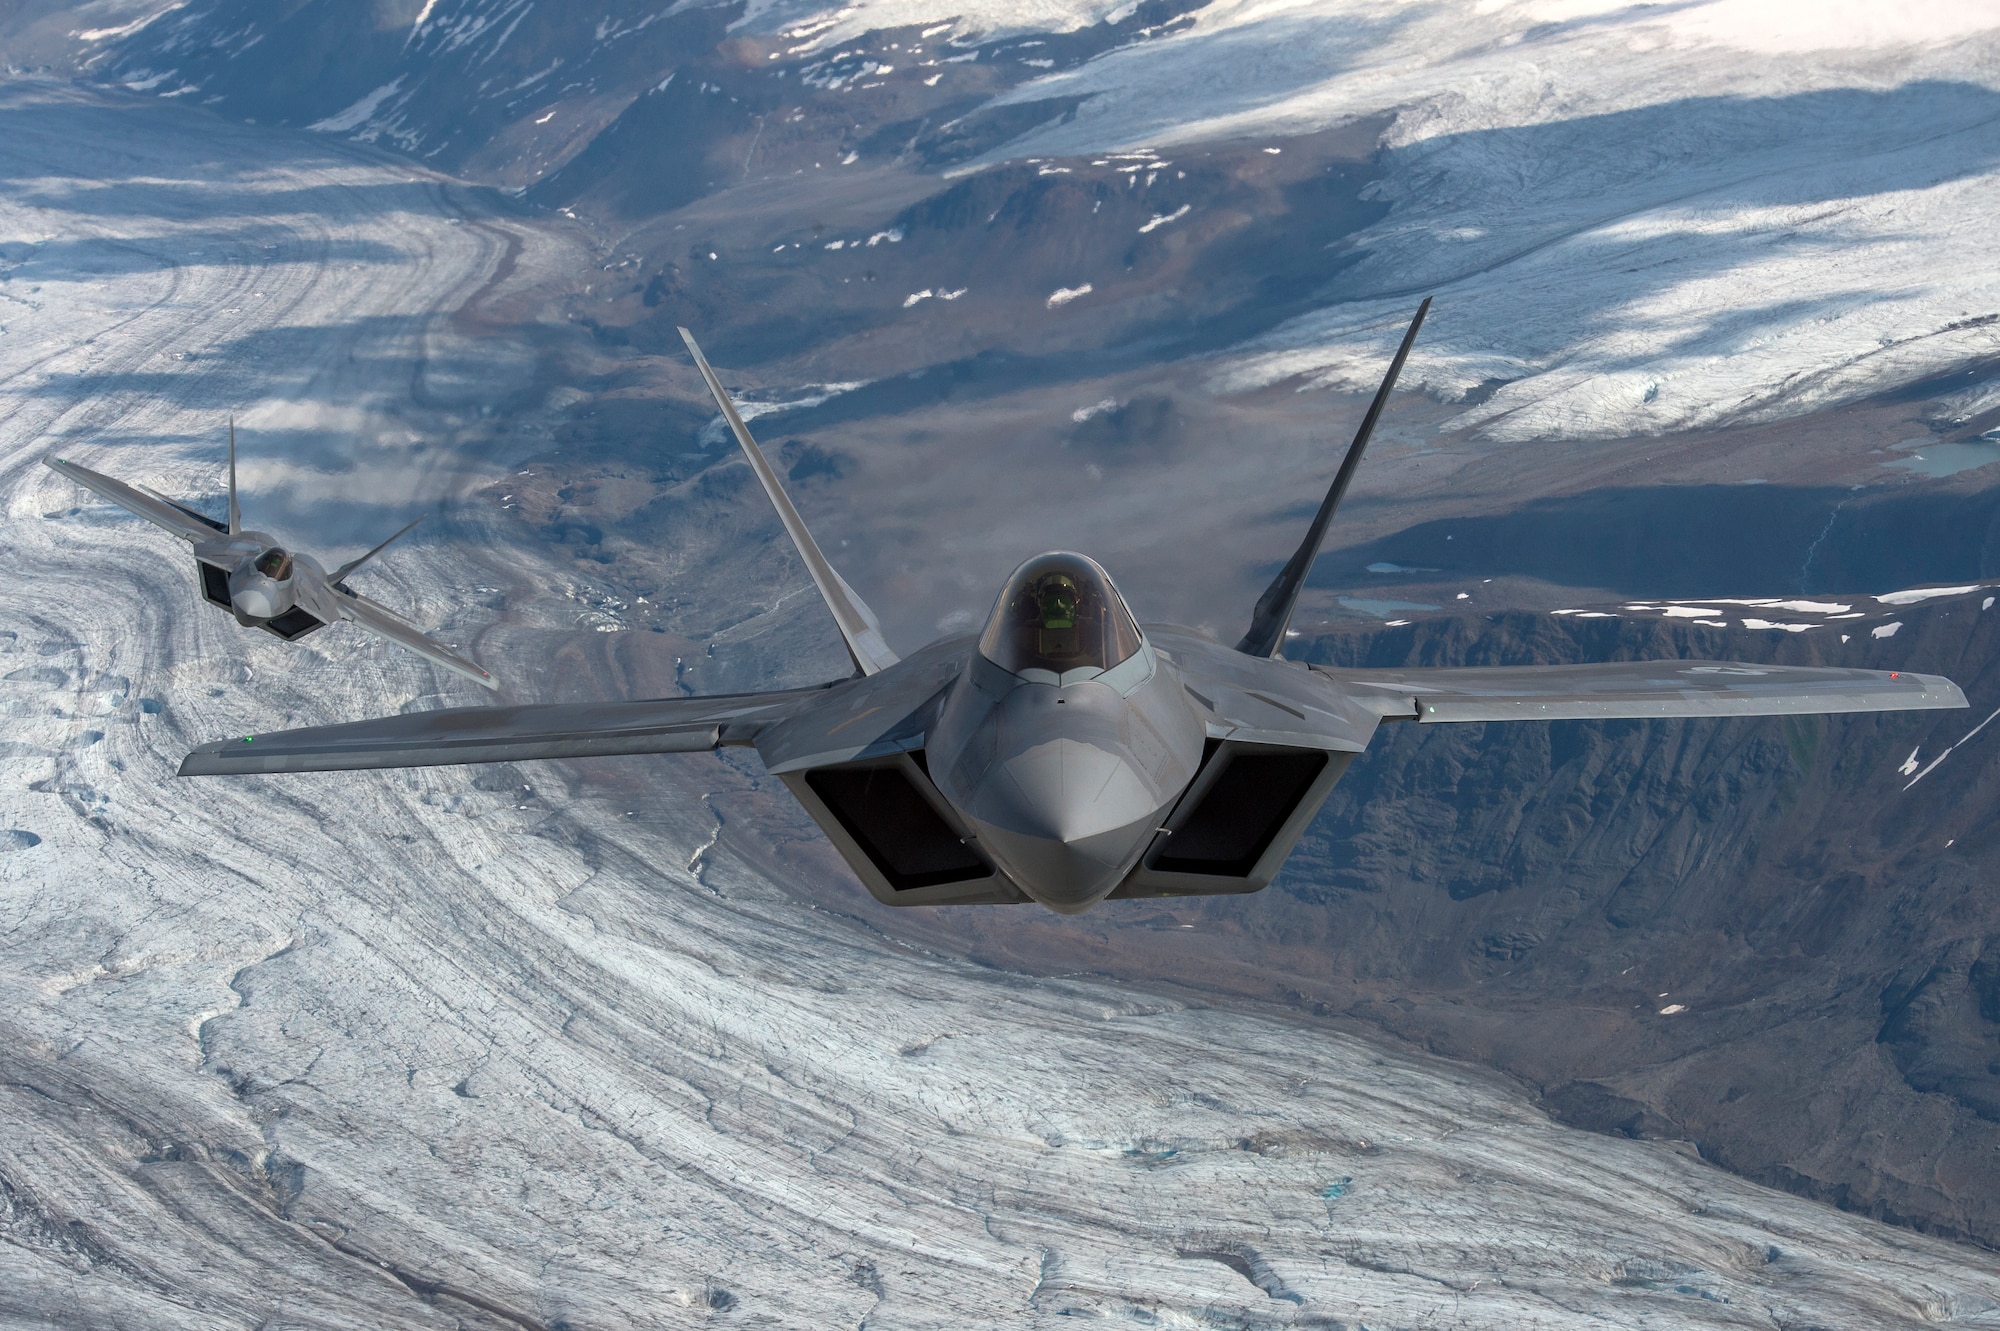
x=1059, y=612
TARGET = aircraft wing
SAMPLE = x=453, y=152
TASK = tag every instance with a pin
x=503, y=735
x=1635, y=689
x=181, y=521
x=379, y=618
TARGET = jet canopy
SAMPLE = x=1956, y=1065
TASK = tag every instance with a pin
x=1059, y=613
x=275, y=564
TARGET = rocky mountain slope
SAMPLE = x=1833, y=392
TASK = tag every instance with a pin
x=1631, y=225
x=1015, y=277
x=499, y=1048
x=1757, y=936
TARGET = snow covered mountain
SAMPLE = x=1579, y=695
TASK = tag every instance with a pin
x=444, y=1048
x=1637, y=219
x=996, y=278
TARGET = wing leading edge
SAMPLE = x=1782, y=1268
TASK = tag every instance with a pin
x=378, y=618
x=1636, y=690
x=503, y=735
x=858, y=626
x=181, y=521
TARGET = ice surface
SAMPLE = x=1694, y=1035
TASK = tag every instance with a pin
x=820, y=27
x=1633, y=219
x=1917, y=594
x=1940, y=460
x=1379, y=607
x=434, y=1048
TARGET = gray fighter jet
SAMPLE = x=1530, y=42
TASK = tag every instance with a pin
x=264, y=585
x=1067, y=754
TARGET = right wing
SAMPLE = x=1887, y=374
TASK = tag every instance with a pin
x=379, y=618
x=503, y=734
x=1636, y=689
x=181, y=521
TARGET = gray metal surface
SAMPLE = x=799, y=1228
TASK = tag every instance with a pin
x=256, y=599
x=1635, y=689
x=1064, y=785
x=501, y=734
x=858, y=626
x=1273, y=614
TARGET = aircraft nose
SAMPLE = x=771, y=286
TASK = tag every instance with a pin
x=255, y=597
x=255, y=602
x=1067, y=819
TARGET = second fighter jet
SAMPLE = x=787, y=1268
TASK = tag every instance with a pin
x=260, y=582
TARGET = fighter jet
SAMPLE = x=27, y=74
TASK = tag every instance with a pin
x=1067, y=753
x=264, y=585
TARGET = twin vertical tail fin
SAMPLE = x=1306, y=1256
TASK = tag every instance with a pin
x=1274, y=608
x=236, y=516
x=353, y=564
x=857, y=623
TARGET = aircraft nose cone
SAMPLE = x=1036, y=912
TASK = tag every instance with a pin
x=258, y=600
x=255, y=598
x=1067, y=819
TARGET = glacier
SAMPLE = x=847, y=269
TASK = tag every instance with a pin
x=1636, y=219
x=499, y=1047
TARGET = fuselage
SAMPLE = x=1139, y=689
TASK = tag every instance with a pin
x=257, y=580
x=1057, y=752
x=1066, y=784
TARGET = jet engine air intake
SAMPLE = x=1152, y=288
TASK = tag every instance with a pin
x=892, y=823
x=1237, y=813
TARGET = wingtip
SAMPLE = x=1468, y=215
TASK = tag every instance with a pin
x=694, y=350
x=213, y=758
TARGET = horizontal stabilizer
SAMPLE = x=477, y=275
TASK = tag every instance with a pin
x=857, y=623
x=500, y=735
x=1634, y=690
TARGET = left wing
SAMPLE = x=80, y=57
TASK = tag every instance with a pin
x=1636, y=689
x=182, y=521
x=503, y=734
x=379, y=618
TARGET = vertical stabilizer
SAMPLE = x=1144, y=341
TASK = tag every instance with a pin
x=235, y=509
x=1274, y=608
x=857, y=623
x=353, y=564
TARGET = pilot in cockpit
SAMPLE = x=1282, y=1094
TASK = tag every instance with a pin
x=1058, y=632
x=1059, y=614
